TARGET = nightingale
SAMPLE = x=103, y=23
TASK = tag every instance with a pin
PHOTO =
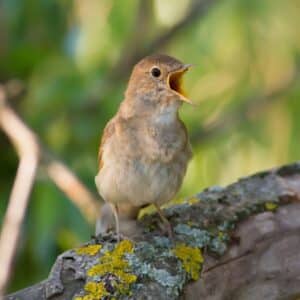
x=145, y=149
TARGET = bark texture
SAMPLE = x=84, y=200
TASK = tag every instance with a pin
x=239, y=242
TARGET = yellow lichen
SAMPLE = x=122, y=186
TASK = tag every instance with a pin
x=123, y=247
x=96, y=291
x=89, y=250
x=191, y=259
x=193, y=200
x=191, y=224
x=86, y=297
x=271, y=206
x=221, y=235
x=113, y=262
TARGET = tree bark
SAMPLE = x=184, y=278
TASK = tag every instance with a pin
x=248, y=233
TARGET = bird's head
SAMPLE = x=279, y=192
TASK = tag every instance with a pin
x=157, y=80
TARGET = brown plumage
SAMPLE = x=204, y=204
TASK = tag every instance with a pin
x=145, y=148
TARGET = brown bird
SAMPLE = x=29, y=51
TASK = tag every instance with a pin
x=145, y=148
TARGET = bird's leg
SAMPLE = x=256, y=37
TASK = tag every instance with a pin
x=115, y=212
x=165, y=220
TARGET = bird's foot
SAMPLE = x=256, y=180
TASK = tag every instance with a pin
x=110, y=236
x=167, y=224
x=166, y=229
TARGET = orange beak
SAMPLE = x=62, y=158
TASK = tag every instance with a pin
x=175, y=82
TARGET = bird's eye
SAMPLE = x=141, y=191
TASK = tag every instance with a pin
x=155, y=72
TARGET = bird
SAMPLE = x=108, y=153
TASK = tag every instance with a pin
x=145, y=148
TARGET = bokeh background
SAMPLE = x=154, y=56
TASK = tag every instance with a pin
x=73, y=58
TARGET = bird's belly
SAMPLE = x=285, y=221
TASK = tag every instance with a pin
x=141, y=182
x=153, y=182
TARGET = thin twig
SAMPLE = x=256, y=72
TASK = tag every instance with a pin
x=130, y=55
x=198, y=9
x=31, y=152
x=132, y=47
x=27, y=148
x=64, y=178
x=74, y=189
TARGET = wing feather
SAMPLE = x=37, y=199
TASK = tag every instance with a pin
x=108, y=131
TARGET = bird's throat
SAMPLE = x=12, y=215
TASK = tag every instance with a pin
x=166, y=116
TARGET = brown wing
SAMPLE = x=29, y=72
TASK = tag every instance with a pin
x=107, y=133
x=187, y=141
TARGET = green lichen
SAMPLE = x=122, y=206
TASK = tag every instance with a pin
x=154, y=262
x=271, y=206
x=191, y=259
x=89, y=250
x=218, y=245
x=195, y=237
x=165, y=278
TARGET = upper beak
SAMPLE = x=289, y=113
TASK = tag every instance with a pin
x=187, y=66
x=175, y=82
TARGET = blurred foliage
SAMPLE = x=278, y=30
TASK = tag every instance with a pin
x=74, y=58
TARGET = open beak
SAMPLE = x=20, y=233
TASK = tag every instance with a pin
x=175, y=82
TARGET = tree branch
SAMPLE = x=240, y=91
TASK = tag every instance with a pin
x=253, y=220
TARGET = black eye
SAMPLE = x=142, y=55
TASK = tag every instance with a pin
x=155, y=72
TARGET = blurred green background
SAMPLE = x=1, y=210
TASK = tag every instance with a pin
x=74, y=58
